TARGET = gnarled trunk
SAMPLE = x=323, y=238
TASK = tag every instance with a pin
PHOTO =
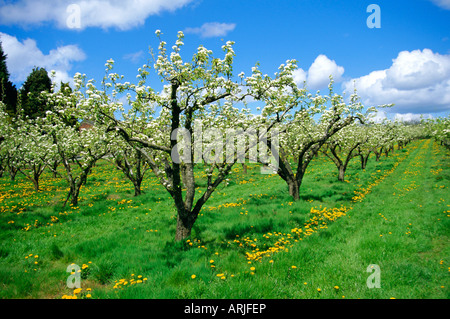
x=294, y=189
x=183, y=230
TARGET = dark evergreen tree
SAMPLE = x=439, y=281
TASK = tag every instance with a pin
x=32, y=104
x=8, y=91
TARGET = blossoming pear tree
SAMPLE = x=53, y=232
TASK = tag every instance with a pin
x=35, y=149
x=341, y=148
x=316, y=119
x=198, y=101
x=440, y=130
x=369, y=133
x=26, y=146
x=130, y=161
x=8, y=144
x=77, y=149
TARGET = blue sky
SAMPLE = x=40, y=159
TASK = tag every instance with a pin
x=406, y=61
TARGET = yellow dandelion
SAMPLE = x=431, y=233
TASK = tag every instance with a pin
x=193, y=276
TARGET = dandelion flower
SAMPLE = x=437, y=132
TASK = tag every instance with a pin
x=193, y=276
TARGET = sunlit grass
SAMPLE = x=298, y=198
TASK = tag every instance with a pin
x=250, y=240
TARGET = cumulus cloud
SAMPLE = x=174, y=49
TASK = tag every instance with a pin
x=212, y=29
x=416, y=82
x=92, y=13
x=444, y=4
x=410, y=117
x=318, y=74
x=24, y=55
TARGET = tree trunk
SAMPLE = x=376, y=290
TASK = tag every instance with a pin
x=363, y=163
x=54, y=169
x=183, y=231
x=364, y=160
x=137, y=187
x=74, y=195
x=37, y=171
x=12, y=173
x=377, y=156
x=294, y=189
x=341, y=173
x=244, y=168
x=35, y=184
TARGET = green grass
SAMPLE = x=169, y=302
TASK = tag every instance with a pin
x=401, y=224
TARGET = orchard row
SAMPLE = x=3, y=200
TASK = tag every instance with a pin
x=289, y=126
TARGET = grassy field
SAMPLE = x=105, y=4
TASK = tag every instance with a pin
x=250, y=241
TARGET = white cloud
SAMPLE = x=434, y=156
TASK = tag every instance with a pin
x=410, y=117
x=444, y=4
x=417, y=69
x=24, y=56
x=318, y=74
x=212, y=29
x=416, y=82
x=93, y=13
x=134, y=57
x=378, y=117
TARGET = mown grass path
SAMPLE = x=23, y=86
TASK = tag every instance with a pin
x=402, y=226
